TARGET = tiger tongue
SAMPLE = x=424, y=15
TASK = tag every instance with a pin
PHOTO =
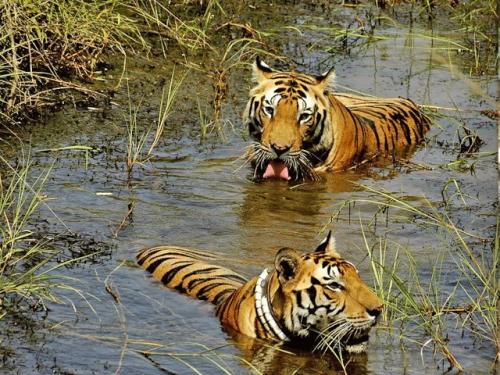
x=277, y=169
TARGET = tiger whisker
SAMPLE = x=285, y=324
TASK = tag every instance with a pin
x=333, y=333
x=298, y=162
x=334, y=336
x=246, y=158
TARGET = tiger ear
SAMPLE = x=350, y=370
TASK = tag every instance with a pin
x=327, y=80
x=261, y=71
x=286, y=263
x=327, y=246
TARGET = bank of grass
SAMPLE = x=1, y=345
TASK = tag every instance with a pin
x=43, y=42
x=421, y=307
x=26, y=271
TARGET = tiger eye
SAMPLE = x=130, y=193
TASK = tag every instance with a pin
x=305, y=117
x=268, y=110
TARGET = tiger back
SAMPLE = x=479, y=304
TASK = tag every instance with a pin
x=301, y=127
x=186, y=271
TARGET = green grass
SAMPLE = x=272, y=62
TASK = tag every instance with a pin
x=166, y=20
x=45, y=44
x=25, y=272
x=462, y=31
x=49, y=47
x=43, y=41
x=418, y=310
x=143, y=139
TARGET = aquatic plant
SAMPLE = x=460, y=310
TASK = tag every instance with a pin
x=26, y=273
x=138, y=136
x=469, y=41
x=418, y=303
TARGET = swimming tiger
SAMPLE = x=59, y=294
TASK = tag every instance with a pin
x=300, y=126
x=315, y=299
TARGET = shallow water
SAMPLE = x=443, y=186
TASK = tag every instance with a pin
x=200, y=195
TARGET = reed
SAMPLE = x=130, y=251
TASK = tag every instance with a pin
x=27, y=268
x=468, y=37
x=142, y=140
x=44, y=41
x=418, y=310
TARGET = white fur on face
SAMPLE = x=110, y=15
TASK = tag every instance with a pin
x=306, y=104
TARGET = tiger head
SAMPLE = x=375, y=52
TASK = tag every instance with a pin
x=323, y=300
x=286, y=117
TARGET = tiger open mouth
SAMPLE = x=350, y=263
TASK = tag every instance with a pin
x=323, y=341
x=294, y=166
x=277, y=169
x=356, y=344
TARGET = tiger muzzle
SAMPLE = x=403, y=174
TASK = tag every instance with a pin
x=280, y=149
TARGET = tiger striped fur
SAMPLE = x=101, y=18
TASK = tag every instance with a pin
x=312, y=298
x=301, y=127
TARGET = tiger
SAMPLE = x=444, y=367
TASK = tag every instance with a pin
x=315, y=300
x=301, y=128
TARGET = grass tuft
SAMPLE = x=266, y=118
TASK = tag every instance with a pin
x=24, y=271
x=423, y=305
x=139, y=137
x=43, y=41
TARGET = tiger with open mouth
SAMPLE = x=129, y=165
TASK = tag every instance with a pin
x=301, y=127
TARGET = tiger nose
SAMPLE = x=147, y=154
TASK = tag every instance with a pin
x=280, y=149
x=375, y=312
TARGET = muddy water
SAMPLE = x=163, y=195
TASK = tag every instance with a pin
x=201, y=195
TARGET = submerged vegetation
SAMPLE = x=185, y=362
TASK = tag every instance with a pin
x=137, y=138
